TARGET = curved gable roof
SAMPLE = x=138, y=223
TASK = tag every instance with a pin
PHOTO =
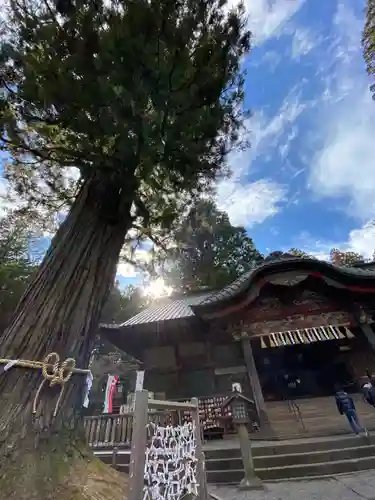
x=355, y=278
x=206, y=303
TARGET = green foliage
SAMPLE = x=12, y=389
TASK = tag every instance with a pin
x=340, y=258
x=299, y=253
x=16, y=266
x=144, y=97
x=336, y=256
x=368, y=42
x=121, y=306
x=293, y=252
x=209, y=252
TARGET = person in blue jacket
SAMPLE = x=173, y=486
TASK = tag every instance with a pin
x=346, y=406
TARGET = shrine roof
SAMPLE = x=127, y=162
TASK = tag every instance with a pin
x=364, y=274
x=168, y=309
x=200, y=303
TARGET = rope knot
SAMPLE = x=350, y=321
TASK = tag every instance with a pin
x=56, y=374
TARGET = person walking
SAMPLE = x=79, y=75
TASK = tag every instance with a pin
x=346, y=406
x=368, y=391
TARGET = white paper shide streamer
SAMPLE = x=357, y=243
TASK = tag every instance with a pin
x=171, y=463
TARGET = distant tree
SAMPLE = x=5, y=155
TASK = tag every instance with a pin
x=340, y=258
x=17, y=267
x=123, y=304
x=299, y=253
x=292, y=253
x=209, y=251
x=368, y=42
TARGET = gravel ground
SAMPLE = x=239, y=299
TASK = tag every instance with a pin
x=356, y=486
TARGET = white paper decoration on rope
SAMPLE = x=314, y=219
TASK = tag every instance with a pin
x=171, y=463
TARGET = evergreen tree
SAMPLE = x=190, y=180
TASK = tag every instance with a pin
x=144, y=97
x=122, y=305
x=17, y=267
x=368, y=42
x=209, y=252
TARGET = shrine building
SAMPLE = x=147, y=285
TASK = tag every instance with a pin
x=294, y=318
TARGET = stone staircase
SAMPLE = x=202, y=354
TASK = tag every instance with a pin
x=278, y=460
x=317, y=417
x=318, y=444
x=294, y=459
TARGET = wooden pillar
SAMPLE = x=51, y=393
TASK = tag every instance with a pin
x=201, y=472
x=369, y=334
x=254, y=379
x=138, y=447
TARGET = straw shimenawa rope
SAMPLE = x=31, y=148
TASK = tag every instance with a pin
x=53, y=372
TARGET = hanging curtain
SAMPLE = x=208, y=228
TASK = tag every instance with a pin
x=306, y=336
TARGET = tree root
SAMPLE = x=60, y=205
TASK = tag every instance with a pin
x=52, y=476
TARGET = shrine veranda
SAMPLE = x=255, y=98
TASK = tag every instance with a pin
x=299, y=319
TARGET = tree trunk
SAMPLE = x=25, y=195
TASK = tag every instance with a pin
x=43, y=456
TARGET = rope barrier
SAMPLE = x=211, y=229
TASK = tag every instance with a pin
x=53, y=371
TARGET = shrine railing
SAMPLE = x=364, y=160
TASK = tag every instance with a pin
x=109, y=431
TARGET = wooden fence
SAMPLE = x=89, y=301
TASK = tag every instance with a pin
x=130, y=431
x=142, y=416
x=109, y=431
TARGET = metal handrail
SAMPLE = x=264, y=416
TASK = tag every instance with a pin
x=295, y=409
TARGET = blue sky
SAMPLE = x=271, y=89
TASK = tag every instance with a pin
x=309, y=179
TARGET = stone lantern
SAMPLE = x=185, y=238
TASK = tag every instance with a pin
x=241, y=407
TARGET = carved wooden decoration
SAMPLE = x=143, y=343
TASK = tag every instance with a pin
x=271, y=308
x=297, y=322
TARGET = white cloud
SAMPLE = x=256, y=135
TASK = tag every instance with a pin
x=248, y=202
x=304, y=41
x=360, y=240
x=267, y=18
x=127, y=270
x=271, y=59
x=343, y=168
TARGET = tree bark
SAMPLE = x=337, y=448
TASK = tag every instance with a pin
x=41, y=455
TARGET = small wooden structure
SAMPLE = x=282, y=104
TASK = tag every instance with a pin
x=241, y=408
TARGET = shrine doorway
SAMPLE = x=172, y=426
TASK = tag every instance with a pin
x=317, y=367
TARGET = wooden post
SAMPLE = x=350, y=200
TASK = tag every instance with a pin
x=254, y=380
x=114, y=456
x=369, y=334
x=201, y=472
x=138, y=447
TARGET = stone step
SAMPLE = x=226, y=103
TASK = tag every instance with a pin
x=294, y=471
x=314, y=413
x=315, y=403
x=260, y=449
x=278, y=461
x=314, y=457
